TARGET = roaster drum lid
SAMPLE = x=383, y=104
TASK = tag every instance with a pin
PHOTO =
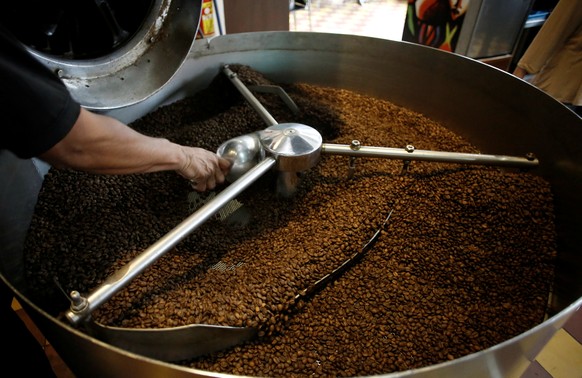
x=109, y=53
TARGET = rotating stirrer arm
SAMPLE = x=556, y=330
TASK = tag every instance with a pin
x=407, y=154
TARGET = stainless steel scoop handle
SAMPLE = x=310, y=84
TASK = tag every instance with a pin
x=84, y=306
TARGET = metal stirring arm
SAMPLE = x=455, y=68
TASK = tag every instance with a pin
x=409, y=153
x=82, y=307
x=248, y=95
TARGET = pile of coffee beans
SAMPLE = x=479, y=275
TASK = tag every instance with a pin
x=465, y=261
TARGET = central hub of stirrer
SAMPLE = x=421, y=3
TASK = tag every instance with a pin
x=294, y=146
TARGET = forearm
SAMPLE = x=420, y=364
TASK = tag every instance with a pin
x=101, y=144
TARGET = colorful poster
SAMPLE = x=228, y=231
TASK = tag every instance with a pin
x=435, y=23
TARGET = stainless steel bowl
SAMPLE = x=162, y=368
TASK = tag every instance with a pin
x=243, y=152
x=296, y=147
x=492, y=109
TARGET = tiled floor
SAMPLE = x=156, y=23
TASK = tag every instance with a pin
x=373, y=18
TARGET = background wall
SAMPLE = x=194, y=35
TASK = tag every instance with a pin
x=255, y=15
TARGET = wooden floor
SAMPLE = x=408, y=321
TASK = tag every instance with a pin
x=59, y=367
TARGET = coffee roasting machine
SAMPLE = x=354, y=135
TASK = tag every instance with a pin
x=498, y=113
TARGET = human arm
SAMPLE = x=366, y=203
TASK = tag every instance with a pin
x=101, y=144
x=40, y=118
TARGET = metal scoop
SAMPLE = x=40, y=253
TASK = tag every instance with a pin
x=176, y=343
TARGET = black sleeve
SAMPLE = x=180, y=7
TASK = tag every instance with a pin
x=36, y=109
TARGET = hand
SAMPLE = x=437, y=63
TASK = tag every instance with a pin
x=203, y=168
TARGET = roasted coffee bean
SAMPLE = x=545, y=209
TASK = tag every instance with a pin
x=465, y=262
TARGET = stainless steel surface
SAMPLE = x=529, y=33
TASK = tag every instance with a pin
x=295, y=146
x=176, y=343
x=243, y=152
x=287, y=183
x=499, y=113
x=411, y=153
x=155, y=52
x=279, y=92
x=491, y=27
x=127, y=273
x=265, y=115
